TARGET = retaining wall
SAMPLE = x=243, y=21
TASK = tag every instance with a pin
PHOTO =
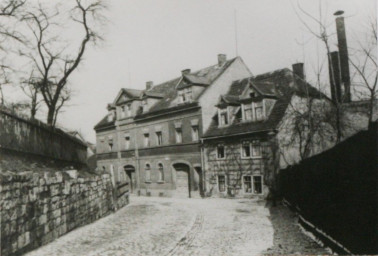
x=37, y=208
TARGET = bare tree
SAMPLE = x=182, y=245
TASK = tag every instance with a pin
x=364, y=62
x=51, y=55
x=31, y=89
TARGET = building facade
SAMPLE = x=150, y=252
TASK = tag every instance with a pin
x=151, y=137
x=247, y=142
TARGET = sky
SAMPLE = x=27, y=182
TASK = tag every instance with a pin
x=149, y=40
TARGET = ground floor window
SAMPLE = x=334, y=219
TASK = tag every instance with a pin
x=247, y=184
x=257, y=184
x=222, y=183
x=161, y=172
x=147, y=171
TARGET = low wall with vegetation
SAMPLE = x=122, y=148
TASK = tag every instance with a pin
x=37, y=208
x=336, y=191
x=20, y=134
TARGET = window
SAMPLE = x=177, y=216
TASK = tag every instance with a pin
x=259, y=113
x=220, y=152
x=123, y=111
x=247, y=112
x=128, y=109
x=223, y=116
x=178, y=135
x=127, y=142
x=185, y=95
x=146, y=140
x=257, y=184
x=110, y=116
x=256, y=149
x=159, y=138
x=246, y=149
x=247, y=184
x=195, y=133
x=161, y=172
x=110, y=143
x=222, y=183
x=147, y=171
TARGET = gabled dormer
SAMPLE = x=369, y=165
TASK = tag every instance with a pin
x=228, y=107
x=190, y=86
x=149, y=98
x=126, y=103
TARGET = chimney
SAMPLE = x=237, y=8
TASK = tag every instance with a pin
x=298, y=69
x=222, y=58
x=185, y=71
x=335, y=76
x=344, y=62
x=149, y=85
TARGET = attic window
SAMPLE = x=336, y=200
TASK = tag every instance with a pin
x=223, y=117
x=185, y=95
x=128, y=109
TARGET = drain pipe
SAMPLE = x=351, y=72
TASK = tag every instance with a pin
x=203, y=169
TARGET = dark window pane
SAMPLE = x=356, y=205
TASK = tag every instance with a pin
x=257, y=184
x=222, y=183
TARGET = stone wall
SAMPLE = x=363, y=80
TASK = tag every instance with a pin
x=33, y=137
x=38, y=208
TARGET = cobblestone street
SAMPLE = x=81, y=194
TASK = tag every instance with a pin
x=171, y=226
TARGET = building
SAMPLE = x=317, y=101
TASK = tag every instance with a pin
x=254, y=134
x=152, y=137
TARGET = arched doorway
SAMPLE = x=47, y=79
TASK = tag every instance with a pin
x=130, y=172
x=182, y=180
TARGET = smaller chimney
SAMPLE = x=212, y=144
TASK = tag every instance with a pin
x=149, y=85
x=222, y=58
x=298, y=69
x=185, y=71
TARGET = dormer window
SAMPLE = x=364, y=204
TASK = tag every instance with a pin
x=128, y=109
x=253, y=111
x=247, y=112
x=123, y=111
x=110, y=116
x=185, y=95
x=223, y=117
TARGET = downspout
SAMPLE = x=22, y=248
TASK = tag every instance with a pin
x=203, y=168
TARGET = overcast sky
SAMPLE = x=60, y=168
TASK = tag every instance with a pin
x=155, y=40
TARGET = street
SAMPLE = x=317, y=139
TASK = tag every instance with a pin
x=173, y=226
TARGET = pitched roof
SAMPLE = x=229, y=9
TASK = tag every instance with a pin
x=104, y=123
x=169, y=89
x=134, y=93
x=282, y=84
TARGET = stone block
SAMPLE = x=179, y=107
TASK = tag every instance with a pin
x=42, y=219
x=56, y=213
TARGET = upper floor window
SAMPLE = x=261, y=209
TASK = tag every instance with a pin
x=161, y=172
x=110, y=116
x=110, y=143
x=146, y=140
x=253, y=111
x=185, y=95
x=256, y=149
x=147, y=171
x=178, y=135
x=221, y=154
x=246, y=149
x=127, y=141
x=123, y=111
x=128, y=109
x=159, y=138
x=195, y=133
x=247, y=111
x=223, y=117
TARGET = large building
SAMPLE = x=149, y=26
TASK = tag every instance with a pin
x=257, y=130
x=152, y=137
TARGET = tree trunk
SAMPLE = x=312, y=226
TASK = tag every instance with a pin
x=50, y=116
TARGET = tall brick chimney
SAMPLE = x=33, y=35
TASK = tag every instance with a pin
x=298, y=69
x=222, y=58
x=344, y=61
x=335, y=76
x=149, y=85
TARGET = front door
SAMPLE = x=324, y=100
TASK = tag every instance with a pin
x=182, y=180
x=130, y=171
